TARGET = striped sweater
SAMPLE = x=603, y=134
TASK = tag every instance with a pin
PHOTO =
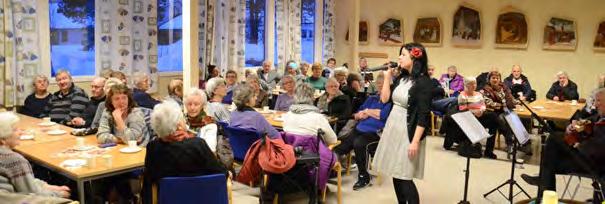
x=16, y=175
x=62, y=108
x=474, y=102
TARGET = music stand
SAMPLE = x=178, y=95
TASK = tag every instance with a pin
x=521, y=137
x=475, y=132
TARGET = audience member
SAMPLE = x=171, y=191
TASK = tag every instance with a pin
x=590, y=108
x=371, y=117
x=340, y=74
x=329, y=69
x=267, y=77
x=304, y=69
x=292, y=70
x=140, y=95
x=101, y=106
x=304, y=118
x=497, y=99
x=97, y=96
x=438, y=91
x=262, y=97
x=216, y=91
x=34, y=103
x=232, y=81
x=284, y=100
x=563, y=89
x=354, y=90
x=245, y=116
x=175, y=91
x=198, y=120
x=317, y=81
x=368, y=77
x=67, y=103
x=120, y=75
x=106, y=73
x=483, y=78
x=16, y=174
x=334, y=103
x=454, y=83
x=519, y=85
x=122, y=121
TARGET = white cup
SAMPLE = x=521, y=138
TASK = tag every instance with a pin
x=46, y=119
x=108, y=160
x=317, y=92
x=132, y=143
x=79, y=142
x=91, y=161
x=574, y=102
x=550, y=197
x=266, y=108
x=278, y=87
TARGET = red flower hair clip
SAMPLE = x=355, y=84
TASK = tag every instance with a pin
x=416, y=52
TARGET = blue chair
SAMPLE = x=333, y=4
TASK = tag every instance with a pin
x=240, y=140
x=198, y=189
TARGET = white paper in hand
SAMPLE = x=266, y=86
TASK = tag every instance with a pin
x=471, y=127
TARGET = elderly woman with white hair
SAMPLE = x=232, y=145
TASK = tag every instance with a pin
x=176, y=152
x=175, y=91
x=34, y=103
x=284, y=100
x=139, y=93
x=334, y=103
x=304, y=118
x=16, y=175
x=198, y=120
x=563, y=89
x=216, y=90
x=262, y=97
x=245, y=116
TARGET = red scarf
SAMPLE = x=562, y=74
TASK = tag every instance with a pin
x=177, y=136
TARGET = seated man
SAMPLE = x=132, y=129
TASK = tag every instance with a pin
x=519, y=85
x=562, y=158
x=563, y=89
x=268, y=77
x=67, y=103
x=371, y=117
x=139, y=93
x=98, y=96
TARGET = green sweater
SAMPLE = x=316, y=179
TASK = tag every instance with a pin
x=317, y=83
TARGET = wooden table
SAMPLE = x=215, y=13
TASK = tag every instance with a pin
x=550, y=110
x=31, y=124
x=274, y=118
x=45, y=150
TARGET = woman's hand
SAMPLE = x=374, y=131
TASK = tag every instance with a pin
x=117, y=113
x=63, y=191
x=413, y=150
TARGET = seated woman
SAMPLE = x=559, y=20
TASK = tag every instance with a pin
x=454, y=82
x=122, y=121
x=216, y=90
x=355, y=91
x=497, y=99
x=139, y=93
x=198, y=120
x=16, y=175
x=175, y=91
x=304, y=118
x=231, y=79
x=262, y=97
x=284, y=100
x=563, y=89
x=176, y=152
x=334, y=103
x=316, y=80
x=101, y=107
x=371, y=117
x=245, y=116
x=35, y=102
x=292, y=70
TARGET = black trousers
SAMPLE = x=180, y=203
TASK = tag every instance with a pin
x=558, y=159
x=406, y=191
x=357, y=141
x=455, y=135
x=497, y=122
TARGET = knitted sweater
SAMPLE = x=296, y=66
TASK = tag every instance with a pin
x=16, y=175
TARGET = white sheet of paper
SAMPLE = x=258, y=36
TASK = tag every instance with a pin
x=515, y=124
x=470, y=126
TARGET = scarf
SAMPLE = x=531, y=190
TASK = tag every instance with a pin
x=177, y=136
x=303, y=108
x=201, y=120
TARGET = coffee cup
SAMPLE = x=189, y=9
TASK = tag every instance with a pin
x=108, y=160
x=46, y=119
x=79, y=142
x=132, y=144
x=574, y=102
x=266, y=108
x=277, y=87
x=91, y=161
x=550, y=197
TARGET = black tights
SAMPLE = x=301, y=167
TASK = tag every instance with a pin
x=406, y=191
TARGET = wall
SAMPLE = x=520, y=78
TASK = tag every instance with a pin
x=583, y=64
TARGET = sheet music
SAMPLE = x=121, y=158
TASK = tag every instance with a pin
x=515, y=124
x=470, y=126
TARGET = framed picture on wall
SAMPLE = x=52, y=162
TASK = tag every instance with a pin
x=599, y=41
x=364, y=33
x=428, y=31
x=511, y=30
x=560, y=34
x=390, y=32
x=466, y=29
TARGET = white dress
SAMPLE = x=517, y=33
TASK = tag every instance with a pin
x=391, y=157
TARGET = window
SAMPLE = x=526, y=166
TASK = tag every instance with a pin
x=307, y=26
x=72, y=36
x=170, y=30
x=255, y=32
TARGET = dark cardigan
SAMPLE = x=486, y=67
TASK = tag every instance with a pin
x=419, y=104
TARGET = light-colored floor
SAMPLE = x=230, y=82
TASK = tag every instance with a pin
x=443, y=182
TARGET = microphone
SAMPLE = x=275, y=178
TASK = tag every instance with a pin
x=382, y=67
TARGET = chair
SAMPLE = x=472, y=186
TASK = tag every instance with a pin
x=240, y=140
x=435, y=116
x=370, y=151
x=596, y=185
x=208, y=188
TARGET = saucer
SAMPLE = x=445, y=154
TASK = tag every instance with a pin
x=280, y=119
x=130, y=149
x=73, y=163
x=47, y=124
x=56, y=132
x=26, y=137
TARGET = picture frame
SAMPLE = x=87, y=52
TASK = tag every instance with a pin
x=599, y=40
x=428, y=31
x=123, y=2
x=138, y=7
x=511, y=29
x=466, y=27
x=152, y=21
x=560, y=34
x=390, y=32
x=364, y=33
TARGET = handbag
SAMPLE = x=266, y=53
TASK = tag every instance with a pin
x=276, y=156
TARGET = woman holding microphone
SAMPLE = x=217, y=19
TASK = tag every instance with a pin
x=401, y=150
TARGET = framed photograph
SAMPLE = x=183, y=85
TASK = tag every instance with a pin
x=152, y=21
x=124, y=40
x=466, y=29
x=599, y=41
x=28, y=24
x=105, y=26
x=428, y=31
x=560, y=34
x=511, y=30
x=123, y=2
x=390, y=32
x=138, y=7
x=364, y=33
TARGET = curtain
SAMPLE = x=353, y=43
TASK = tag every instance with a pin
x=228, y=40
x=126, y=37
x=288, y=19
x=329, y=27
x=19, y=50
x=203, y=59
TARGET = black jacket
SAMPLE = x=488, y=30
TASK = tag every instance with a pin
x=569, y=92
x=419, y=105
x=508, y=81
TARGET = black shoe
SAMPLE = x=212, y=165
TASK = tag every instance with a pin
x=526, y=148
x=490, y=155
x=531, y=180
x=362, y=182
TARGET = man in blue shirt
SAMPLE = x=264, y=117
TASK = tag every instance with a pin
x=371, y=117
